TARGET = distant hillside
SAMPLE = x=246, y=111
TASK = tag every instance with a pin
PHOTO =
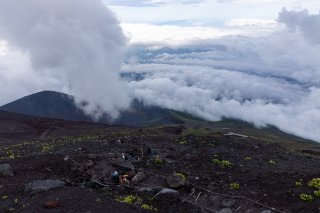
x=50, y=104
x=47, y=104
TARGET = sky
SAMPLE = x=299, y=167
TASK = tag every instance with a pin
x=254, y=60
x=207, y=18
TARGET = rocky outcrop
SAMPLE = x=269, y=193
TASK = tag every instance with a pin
x=138, y=177
x=6, y=170
x=43, y=185
x=175, y=181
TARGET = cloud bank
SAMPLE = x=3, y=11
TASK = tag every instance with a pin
x=266, y=80
x=75, y=45
x=149, y=3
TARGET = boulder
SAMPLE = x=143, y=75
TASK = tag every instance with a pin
x=228, y=203
x=43, y=185
x=166, y=191
x=6, y=170
x=123, y=164
x=51, y=204
x=89, y=163
x=138, y=177
x=175, y=181
x=150, y=189
x=226, y=210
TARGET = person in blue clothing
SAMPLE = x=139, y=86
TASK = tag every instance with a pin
x=115, y=177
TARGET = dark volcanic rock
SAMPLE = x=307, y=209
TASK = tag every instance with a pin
x=150, y=189
x=138, y=177
x=43, y=185
x=168, y=191
x=267, y=211
x=123, y=164
x=175, y=181
x=226, y=210
x=6, y=170
x=228, y=203
x=51, y=204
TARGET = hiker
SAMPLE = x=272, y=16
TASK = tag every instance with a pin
x=124, y=156
x=124, y=179
x=115, y=178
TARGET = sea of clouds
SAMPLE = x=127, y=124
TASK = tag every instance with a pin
x=265, y=80
x=78, y=47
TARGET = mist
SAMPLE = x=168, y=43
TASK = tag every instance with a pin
x=270, y=79
x=67, y=45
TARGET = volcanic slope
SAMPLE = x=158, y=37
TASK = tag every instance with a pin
x=56, y=105
x=228, y=166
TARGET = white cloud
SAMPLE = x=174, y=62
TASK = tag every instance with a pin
x=148, y=3
x=19, y=79
x=78, y=43
x=208, y=13
x=214, y=94
x=3, y=48
x=272, y=79
x=172, y=35
x=302, y=21
x=250, y=2
x=263, y=23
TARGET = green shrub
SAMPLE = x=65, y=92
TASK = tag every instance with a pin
x=135, y=200
x=222, y=163
x=306, y=197
x=315, y=183
x=183, y=142
x=46, y=147
x=272, y=162
x=234, y=186
x=247, y=158
x=182, y=176
x=317, y=193
x=158, y=160
x=149, y=207
x=216, y=161
x=130, y=199
x=298, y=183
x=225, y=163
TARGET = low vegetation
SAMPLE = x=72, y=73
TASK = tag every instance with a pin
x=317, y=193
x=137, y=201
x=183, y=142
x=299, y=183
x=158, y=160
x=222, y=163
x=272, y=162
x=182, y=176
x=315, y=183
x=306, y=197
x=234, y=186
x=130, y=199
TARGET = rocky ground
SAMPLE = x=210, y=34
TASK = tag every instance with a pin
x=169, y=169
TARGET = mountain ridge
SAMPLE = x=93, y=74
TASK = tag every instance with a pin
x=57, y=105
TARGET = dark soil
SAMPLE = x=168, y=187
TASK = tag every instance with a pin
x=266, y=172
